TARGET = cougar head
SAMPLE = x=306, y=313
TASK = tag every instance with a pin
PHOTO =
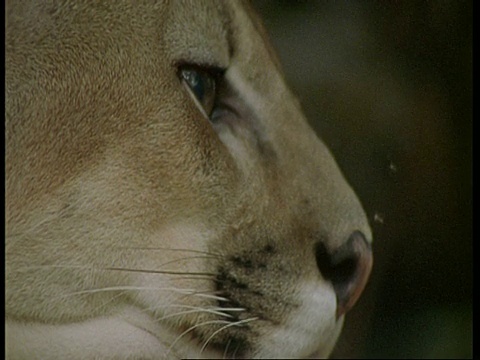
x=165, y=196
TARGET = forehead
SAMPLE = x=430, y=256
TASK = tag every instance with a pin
x=206, y=31
x=199, y=30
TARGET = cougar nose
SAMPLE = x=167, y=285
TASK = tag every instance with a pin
x=348, y=268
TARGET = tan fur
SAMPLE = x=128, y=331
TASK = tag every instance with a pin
x=123, y=203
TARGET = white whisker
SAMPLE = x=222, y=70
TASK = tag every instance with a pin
x=143, y=288
x=200, y=310
x=164, y=272
x=193, y=328
x=214, y=297
x=194, y=309
x=186, y=275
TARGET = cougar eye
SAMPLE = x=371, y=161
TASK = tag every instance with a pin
x=201, y=84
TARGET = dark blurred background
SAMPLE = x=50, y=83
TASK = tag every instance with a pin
x=388, y=86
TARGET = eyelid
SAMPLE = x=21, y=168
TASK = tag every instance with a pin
x=216, y=72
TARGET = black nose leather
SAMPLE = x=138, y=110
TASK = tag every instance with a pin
x=347, y=267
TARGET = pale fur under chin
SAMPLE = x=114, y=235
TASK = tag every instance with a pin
x=124, y=336
x=132, y=334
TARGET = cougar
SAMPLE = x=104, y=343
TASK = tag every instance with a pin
x=165, y=196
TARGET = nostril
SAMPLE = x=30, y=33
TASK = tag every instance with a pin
x=337, y=270
x=347, y=268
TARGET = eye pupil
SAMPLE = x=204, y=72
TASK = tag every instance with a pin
x=195, y=82
x=202, y=86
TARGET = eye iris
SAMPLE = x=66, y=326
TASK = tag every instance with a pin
x=196, y=83
x=202, y=86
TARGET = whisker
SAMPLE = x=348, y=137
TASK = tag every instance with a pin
x=186, y=258
x=210, y=310
x=193, y=328
x=191, y=275
x=109, y=301
x=200, y=310
x=209, y=296
x=157, y=248
x=130, y=288
x=237, y=323
x=160, y=271
x=225, y=352
x=235, y=352
x=114, y=288
x=85, y=267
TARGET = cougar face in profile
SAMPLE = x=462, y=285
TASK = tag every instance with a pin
x=165, y=197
